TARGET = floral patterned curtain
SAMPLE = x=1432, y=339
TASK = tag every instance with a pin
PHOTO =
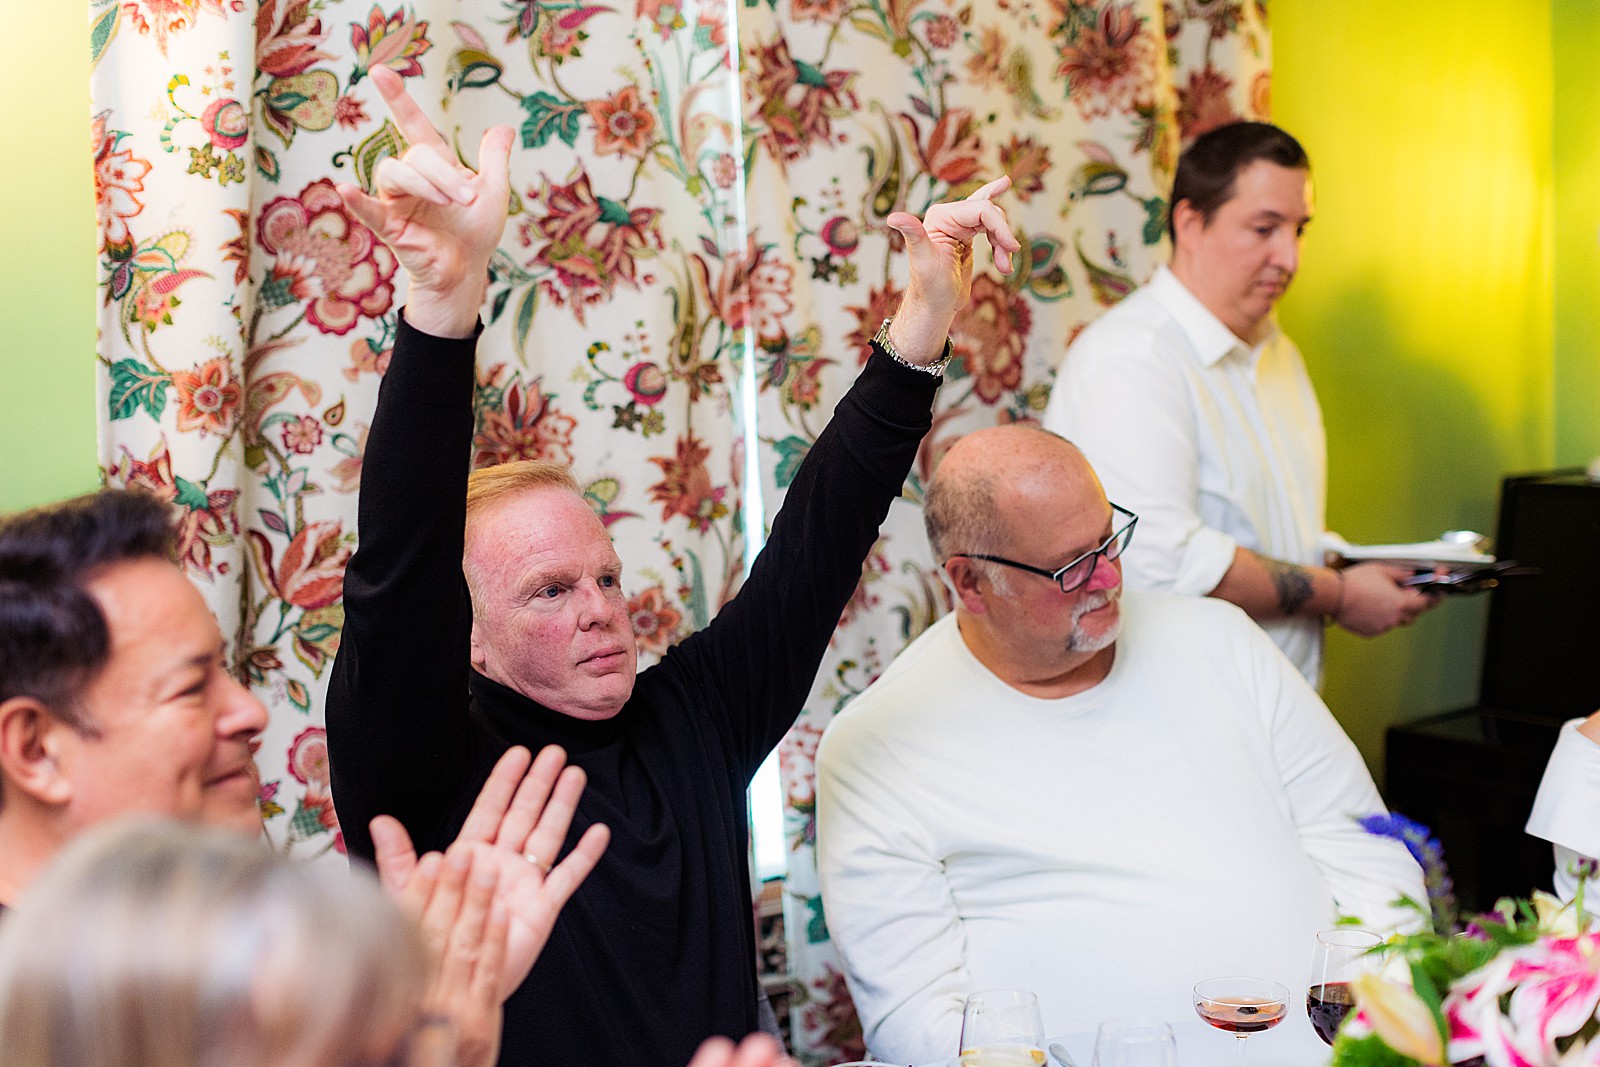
x=856, y=108
x=698, y=183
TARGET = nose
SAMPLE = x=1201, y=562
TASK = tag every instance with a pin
x=1107, y=575
x=597, y=605
x=1286, y=252
x=243, y=716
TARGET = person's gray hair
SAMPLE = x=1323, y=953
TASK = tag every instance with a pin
x=165, y=943
x=962, y=515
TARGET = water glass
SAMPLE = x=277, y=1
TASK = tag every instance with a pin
x=1002, y=1028
x=1135, y=1043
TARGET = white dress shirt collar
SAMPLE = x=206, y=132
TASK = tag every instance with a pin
x=1208, y=337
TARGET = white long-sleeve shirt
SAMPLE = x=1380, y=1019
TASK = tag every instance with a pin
x=1567, y=810
x=1188, y=817
x=1214, y=444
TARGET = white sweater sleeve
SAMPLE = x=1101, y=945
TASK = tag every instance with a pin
x=887, y=902
x=1328, y=788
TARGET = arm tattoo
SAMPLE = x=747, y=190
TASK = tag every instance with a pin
x=1292, y=582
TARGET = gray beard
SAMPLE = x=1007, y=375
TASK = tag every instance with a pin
x=1078, y=640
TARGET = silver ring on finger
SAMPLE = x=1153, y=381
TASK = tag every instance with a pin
x=537, y=862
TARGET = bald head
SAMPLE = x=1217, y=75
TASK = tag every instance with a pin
x=995, y=481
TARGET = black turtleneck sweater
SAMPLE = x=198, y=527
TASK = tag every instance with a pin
x=656, y=951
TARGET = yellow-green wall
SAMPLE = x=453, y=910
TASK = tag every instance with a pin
x=47, y=268
x=1425, y=301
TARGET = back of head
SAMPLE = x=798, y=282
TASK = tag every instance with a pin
x=53, y=636
x=1208, y=168
x=164, y=943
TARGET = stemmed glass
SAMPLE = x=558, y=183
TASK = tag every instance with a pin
x=1241, y=1006
x=1339, y=955
x=1002, y=1028
x=1135, y=1043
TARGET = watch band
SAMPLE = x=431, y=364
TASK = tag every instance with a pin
x=936, y=368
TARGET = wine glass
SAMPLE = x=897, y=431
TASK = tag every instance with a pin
x=1135, y=1043
x=1339, y=955
x=1002, y=1028
x=1241, y=1006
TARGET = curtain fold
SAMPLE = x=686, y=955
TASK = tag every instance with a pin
x=698, y=200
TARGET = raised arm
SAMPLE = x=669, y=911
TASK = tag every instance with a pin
x=763, y=649
x=397, y=700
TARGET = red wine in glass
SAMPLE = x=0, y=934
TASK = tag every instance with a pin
x=1328, y=1004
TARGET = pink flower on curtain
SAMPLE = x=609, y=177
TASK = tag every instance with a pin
x=986, y=64
x=205, y=517
x=592, y=242
x=208, y=397
x=951, y=152
x=289, y=38
x=990, y=335
x=752, y=288
x=655, y=621
x=118, y=179
x=394, y=41
x=308, y=756
x=685, y=488
x=322, y=254
x=311, y=575
x=524, y=425
x=1204, y=104
x=1109, y=64
x=798, y=100
x=302, y=435
x=817, y=10
x=623, y=126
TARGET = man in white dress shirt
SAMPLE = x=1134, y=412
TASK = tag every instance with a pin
x=1567, y=810
x=1098, y=797
x=1197, y=413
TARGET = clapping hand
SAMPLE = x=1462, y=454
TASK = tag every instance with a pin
x=939, y=247
x=516, y=828
x=442, y=219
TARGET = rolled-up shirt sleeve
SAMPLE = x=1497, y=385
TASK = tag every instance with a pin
x=1135, y=422
x=1567, y=810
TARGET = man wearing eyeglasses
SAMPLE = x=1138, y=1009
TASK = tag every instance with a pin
x=1196, y=409
x=1100, y=796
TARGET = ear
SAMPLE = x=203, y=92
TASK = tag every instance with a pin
x=31, y=751
x=1187, y=222
x=966, y=582
x=479, y=653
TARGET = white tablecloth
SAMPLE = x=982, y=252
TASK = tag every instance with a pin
x=1292, y=1043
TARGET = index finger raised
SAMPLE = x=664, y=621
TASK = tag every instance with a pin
x=417, y=128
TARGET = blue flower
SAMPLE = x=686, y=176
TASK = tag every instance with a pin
x=1429, y=854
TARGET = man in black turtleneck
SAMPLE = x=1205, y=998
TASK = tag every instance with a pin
x=492, y=615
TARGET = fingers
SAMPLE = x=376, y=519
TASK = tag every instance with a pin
x=368, y=209
x=494, y=161
x=993, y=189
x=393, y=852
x=444, y=903
x=554, y=817
x=569, y=874
x=413, y=124
x=489, y=810
x=758, y=1050
x=469, y=927
x=528, y=807
x=422, y=175
x=713, y=1052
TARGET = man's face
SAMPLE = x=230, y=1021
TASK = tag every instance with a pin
x=171, y=728
x=1241, y=262
x=549, y=616
x=1049, y=630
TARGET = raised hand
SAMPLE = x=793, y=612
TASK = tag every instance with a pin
x=520, y=818
x=442, y=219
x=939, y=247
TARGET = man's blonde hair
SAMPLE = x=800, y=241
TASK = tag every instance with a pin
x=490, y=484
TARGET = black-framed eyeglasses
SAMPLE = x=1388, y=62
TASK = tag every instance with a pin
x=1077, y=573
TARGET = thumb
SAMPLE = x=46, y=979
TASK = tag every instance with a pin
x=919, y=249
x=393, y=852
x=367, y=209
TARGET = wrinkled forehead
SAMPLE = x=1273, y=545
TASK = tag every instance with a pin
x=547, y=522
